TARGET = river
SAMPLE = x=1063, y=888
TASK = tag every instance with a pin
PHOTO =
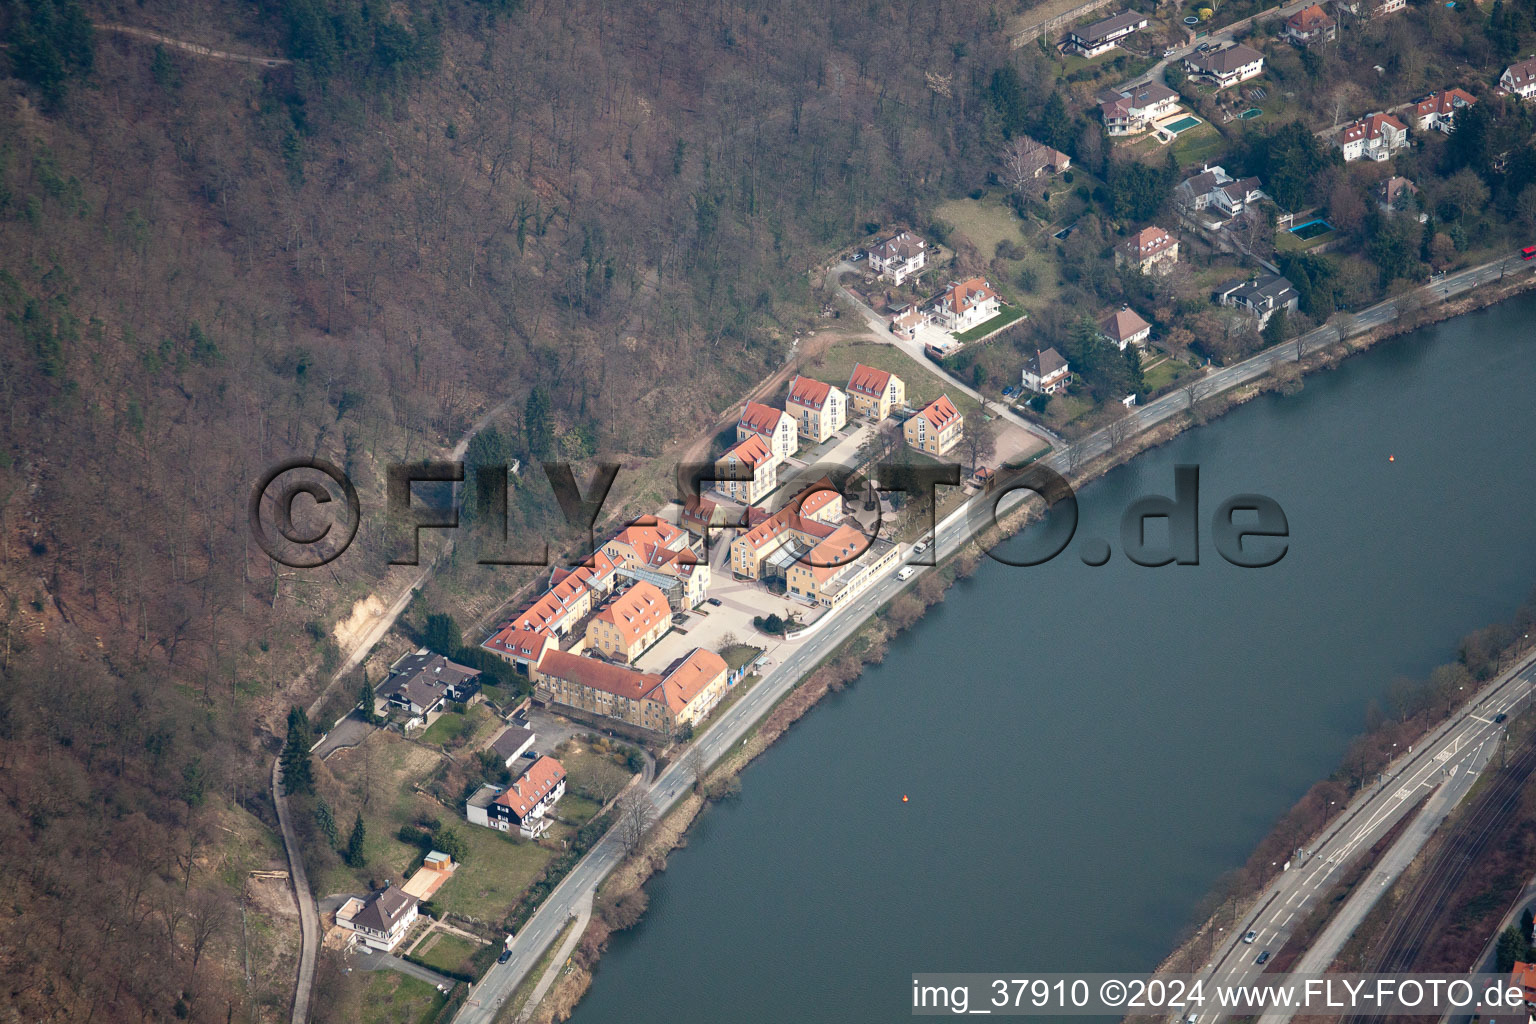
x=1086, y=750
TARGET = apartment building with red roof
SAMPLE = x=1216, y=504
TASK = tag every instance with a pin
x=775, y=426
x=873, y=393
x=936, y=428
x=661, y=704
x=803, y=522
x=819, y=409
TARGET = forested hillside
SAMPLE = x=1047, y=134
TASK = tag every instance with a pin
x=409, y=214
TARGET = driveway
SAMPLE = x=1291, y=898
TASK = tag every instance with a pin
x=372, y=960
x=349, y=732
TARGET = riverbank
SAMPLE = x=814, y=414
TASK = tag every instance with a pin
x=867, y=644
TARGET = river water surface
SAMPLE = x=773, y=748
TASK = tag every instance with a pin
x=1086, y=750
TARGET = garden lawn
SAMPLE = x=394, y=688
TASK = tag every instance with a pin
x=1198, y=145
x=984, y=222
x=448, y=952
x=1007, y=316
x=473, y=724
x=390, y=997
x=495, y=871
x=835, y=366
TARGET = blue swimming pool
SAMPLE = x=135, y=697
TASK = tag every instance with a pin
x=1312, y=228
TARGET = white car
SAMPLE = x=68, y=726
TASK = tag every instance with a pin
x=1250, y=936
x=919, y=547
x=906, y=572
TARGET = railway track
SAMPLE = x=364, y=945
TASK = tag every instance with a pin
x=1403, y=938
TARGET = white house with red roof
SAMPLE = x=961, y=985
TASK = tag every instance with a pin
x=937, y=427
x=1309, y=26
x=522, y=806
x=819, y=409
x=965, y=304
x=1132, y=111
x=1125, y=327
x=1377, y=137
x=1519, y=79
x=774, y=426
x=1438, y=110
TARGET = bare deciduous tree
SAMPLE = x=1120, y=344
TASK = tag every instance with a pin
x=1022, y=159
x=693, y=766
x=637, y=817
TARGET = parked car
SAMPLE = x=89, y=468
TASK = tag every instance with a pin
x=714, y=601
x=857, y=256
x=1250, y=936
x=905, y=572
x=1500, y=717
x=506, y=955
x=1262, y=958
x=1528, y=253
x=1170, y=51
x=919, y=547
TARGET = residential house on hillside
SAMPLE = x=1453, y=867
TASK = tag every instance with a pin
x=522, y=806
x=936, y=428
x=747, y=472
x=1134, y=111
x=1150, y=250
x=1046, y=372
x=1101, y=36
x=1217, y=192
x=630, y=622
x=774, y=426
x=1309, y=26
x=1437, y=111
x=1395, y=196
x=1037, y=159
x=1124, y=327
x=906, y=319
x=1260, y=296
x=662, y=704
x=1519, y=79
x=965, y=304
x=873, y=393
x=380, y=920
x=820, y=410
x=422, y=683
x=899, y=257
x=1377, y=137
x=1226, y=68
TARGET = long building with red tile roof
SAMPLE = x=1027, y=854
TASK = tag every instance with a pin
x=659, y=703
x=803, y=522
x=630, y=622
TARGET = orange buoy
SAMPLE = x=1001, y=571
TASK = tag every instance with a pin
x=1391, y=458
x=903, y=798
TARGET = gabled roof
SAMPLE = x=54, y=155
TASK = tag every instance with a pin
x=531, y=787
x=795, y=515
x=751, y=452
x=1109, y=26
x=636, y=611
x=1369, y=128
x=1225, y=62
x=809, y=392
x=941, y=412
x=1209, y=178
x=1521, y=74
x=527, y=644
x=1310, y=19
x=1123, y=324
x=598, y=675
x=866, y=380
x=760, y=418
x=1446, y=101
x=963, y=295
